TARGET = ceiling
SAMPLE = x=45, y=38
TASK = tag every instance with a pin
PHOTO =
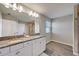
x=52, y=10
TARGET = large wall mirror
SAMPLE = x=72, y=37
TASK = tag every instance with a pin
x=13, y=22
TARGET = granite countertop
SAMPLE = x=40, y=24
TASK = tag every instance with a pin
x=10, y=42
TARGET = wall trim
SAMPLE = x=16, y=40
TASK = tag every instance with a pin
x=62, y=43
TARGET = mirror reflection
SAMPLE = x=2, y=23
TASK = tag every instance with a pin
x=19, y=21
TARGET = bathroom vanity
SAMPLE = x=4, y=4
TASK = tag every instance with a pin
x=31, y=46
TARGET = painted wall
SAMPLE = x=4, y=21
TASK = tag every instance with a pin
x=42, y=28
x=62, y=30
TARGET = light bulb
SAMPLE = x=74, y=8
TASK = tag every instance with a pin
x=7, y=5
x=31, y=13
x=34, y=14
x=20, y=8
x=37, y=15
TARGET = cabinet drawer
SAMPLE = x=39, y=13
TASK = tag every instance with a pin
x=15, y=53
x=4, y=51
x=29, y=43
x=27, y=51
x=16, y=47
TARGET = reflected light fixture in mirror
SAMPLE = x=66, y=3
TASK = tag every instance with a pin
x=30, y=13
x=20, y=8
x=7, y=5
x=37, y=15
x=33, y=14
x=14, y=6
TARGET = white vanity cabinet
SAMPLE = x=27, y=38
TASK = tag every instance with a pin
x=29, y=48
x=26, y=51
x=39, y=46
x=14, y=50
x=22, y=49
x=4, y=51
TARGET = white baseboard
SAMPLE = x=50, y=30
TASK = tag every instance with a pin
x=62, y=42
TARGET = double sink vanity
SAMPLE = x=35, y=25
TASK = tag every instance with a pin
x=23, y=46
x=13, y=24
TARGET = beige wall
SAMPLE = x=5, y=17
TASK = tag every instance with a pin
x=62, y=29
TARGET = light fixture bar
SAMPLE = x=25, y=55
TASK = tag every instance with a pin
x=20, y=9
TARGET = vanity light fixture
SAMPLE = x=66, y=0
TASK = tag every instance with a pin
x=20, y=9
x=30, y=13
x=37, y=15
x=33, y=14
x=7, y=5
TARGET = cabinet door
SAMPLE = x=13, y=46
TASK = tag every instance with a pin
x=19, y=51
x=4, y=51
x=36, y=47
x=42, y=44
x=39, y=46
x=27, y=50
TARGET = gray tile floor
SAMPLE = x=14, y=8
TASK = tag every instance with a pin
x=58, y=49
